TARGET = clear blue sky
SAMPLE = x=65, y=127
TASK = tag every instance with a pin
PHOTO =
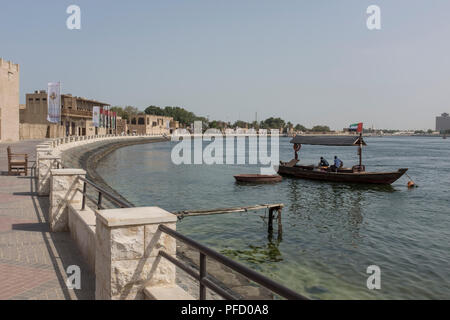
x=309, y=62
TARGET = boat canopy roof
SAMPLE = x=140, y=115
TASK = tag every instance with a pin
x=329, y=140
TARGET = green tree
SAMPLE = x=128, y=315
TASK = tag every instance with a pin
x=320, y=129
x=299, y=127
x=217, y=124
x=182, y=115
x=255, y=125
x=153, y=110
x=129, y=112
x=118, y=110
x=179, y=114
x=273, y=123
x=240, y=124
x=214, y=124
x=289, y=126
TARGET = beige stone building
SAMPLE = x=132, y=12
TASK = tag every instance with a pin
x=152, y=124
x=9, y=101
x=76, y=117
x=121, y=125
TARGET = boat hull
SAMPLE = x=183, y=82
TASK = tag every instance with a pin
x=257, y=178
x=353, y=177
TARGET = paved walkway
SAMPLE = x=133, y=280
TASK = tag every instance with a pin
x=33, y=261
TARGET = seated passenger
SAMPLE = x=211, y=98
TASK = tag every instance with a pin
x=323, y=162
x=337, y=164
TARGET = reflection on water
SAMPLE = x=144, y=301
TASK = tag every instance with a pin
x=331, y=195
x=331, y=232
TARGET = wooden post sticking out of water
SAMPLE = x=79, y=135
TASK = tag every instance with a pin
x=270, y=229
x=280, y=226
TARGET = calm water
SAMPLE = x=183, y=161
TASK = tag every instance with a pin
x=332, y=232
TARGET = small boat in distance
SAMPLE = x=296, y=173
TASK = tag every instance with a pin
x=356, y=174
x=258, y=178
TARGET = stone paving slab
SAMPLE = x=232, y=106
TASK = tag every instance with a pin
x=33, y=261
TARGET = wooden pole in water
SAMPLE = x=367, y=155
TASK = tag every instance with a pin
x=280, y=226
x=270, y=228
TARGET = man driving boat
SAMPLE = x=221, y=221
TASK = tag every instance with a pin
x=323, y=162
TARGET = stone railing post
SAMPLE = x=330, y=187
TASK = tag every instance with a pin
x=44, y=165
x=41, y=149
x=127, y=246
x=64, y=185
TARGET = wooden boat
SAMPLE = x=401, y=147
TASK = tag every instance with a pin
x=258, y=178
x=346, y=175
x=356, y=174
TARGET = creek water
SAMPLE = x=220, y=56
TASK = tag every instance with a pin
x=331, y=232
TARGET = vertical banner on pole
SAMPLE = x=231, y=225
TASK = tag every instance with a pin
x=107, y=118
x=113, y=120
x=54, y=102
x=96, y=116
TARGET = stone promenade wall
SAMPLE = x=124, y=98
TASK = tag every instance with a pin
x=82, y=230
x=83, y=153
x=121, y=245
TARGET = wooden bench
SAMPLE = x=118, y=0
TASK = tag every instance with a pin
x=17, y=162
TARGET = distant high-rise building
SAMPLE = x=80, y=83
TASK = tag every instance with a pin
x=443, y=122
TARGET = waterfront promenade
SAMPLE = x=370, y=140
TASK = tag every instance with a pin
x=33, y=261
